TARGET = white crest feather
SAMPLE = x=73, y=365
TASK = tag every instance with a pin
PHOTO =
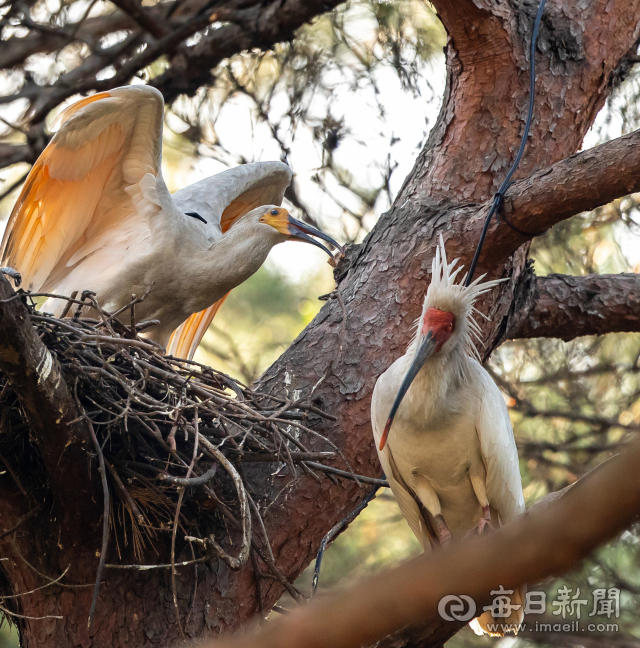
x=446, y=295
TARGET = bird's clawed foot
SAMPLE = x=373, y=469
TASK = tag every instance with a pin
x=484, y=523
x=14, y=274
x=444, y=535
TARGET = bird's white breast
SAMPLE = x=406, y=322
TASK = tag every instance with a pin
x=434, y=437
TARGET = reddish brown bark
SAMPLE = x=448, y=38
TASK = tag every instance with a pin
x=381, y=285
x=567, y=307
x=44, y=395
x=383, y=281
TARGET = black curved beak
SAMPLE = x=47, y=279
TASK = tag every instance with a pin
x=302, y=232
x=426, y=348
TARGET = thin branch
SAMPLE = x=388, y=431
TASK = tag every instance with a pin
x=143, y=17
x=105, y=518
x=19, y=523
x=576, y=184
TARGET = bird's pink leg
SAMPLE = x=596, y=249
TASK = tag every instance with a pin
x=485, y=520
x=483, y=523
x=444, y=535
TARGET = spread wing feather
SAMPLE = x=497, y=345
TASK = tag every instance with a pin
x=222, y=200
x=185, y=339
x=227, y=196
x=85, y=183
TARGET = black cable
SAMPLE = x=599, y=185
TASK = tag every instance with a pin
x=499, y=196
x=334, y=532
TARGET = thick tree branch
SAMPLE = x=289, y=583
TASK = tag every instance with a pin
x=16, y=50
x=599, y=506
x=241, y=29
x=15, y=153
x=576, y=184
x=567, y=307
x=63, y=440
x=144, y=18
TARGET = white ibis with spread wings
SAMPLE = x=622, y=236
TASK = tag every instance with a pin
x=95, y=214
x=450, y=457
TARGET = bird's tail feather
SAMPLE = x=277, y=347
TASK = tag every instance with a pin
x=498, y=626
x=186, y=338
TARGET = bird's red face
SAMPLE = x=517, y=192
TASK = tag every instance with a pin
x=441, y=324
x=437, y=328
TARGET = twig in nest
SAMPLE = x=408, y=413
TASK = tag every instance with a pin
x=175, y=523
x=131, y=393
x=348, y=475
x=105, y=513
x=125, y=494
x=20, y=522
x=11, y=471
x=22, y=616
x=258, y=580
x=67, y=308
x=280, y=610
x=37, y=589
x=184, y=563
x=193, y=481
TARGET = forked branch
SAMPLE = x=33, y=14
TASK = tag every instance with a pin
x=576, y=184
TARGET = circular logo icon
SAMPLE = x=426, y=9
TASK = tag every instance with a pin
x=457, y=608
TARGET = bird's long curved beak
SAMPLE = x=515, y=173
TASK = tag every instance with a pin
x=426, y=348
x=300, y=231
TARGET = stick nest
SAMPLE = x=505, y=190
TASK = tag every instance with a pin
x=174, y=436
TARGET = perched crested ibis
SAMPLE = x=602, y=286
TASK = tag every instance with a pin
x=450, y=457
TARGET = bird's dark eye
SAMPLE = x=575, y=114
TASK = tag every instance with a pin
x=274, y=212
x=196, y=215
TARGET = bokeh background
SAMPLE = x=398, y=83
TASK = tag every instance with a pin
x=348, y=104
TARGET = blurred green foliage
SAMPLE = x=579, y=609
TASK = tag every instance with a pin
x=260, y=319
x=8, y=636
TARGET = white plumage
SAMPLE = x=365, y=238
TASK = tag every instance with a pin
x=95, y=214
x=450, y=457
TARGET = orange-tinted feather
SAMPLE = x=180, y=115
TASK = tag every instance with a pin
x=186, y=338
x=82, y=178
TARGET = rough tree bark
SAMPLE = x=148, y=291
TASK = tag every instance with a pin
x=567, y=307
x=583, y=47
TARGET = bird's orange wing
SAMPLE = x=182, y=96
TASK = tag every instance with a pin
x=84, y=181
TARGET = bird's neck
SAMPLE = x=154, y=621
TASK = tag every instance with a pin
x=240, y=253
x=226, y=264
x=438, y=382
